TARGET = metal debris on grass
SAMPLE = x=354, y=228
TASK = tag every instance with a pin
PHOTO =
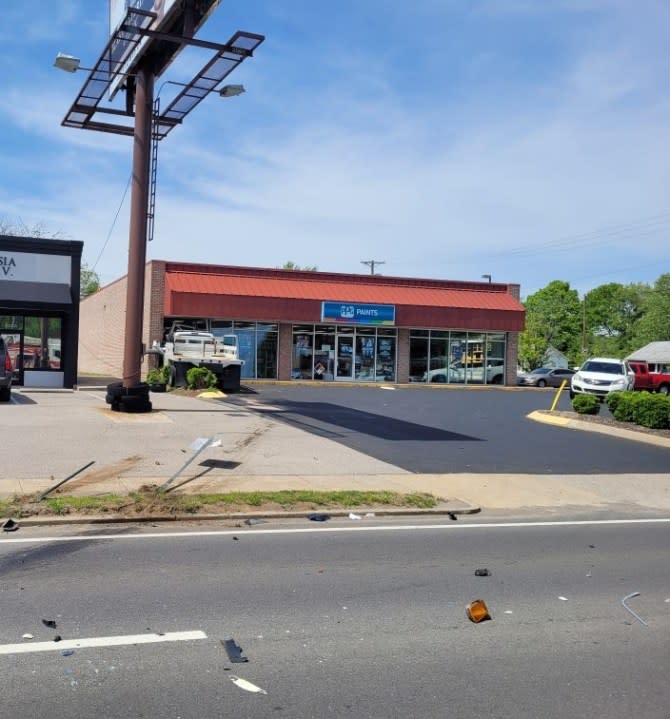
x=628, y=609
x=244, y=684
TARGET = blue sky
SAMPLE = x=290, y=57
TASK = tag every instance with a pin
x=526, y=139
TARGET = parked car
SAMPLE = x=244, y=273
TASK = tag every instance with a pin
x=545, y=377
x=6, y=373
x=601, y=375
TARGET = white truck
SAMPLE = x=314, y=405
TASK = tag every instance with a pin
x=186, y=347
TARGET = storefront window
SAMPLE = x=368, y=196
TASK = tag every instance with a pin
x=418, y=358
x=266, y=351
x=324, y=352
x=386, y=355
x=303, y=353
x=365, y=354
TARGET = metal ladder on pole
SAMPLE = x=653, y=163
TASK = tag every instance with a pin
x=154, y=171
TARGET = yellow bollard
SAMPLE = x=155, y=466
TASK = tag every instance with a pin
x=558, y=395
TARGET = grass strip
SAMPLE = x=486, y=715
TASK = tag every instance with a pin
x=172, y=503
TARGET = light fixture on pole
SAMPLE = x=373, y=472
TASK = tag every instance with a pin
x=487, y=277
x=69, y=63
x=231, y=90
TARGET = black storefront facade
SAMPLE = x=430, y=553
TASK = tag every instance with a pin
x=39, y=309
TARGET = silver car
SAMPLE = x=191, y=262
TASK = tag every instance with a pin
x=546, y=377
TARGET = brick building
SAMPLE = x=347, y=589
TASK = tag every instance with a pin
x=294, y=324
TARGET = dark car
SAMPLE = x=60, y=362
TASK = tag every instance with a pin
x=5, y=373
x=546, y=377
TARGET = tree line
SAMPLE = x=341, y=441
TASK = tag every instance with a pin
x=612, y=320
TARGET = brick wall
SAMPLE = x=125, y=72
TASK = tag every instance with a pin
x=403, y=356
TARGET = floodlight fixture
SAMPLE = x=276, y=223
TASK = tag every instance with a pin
x=231, y=90
x=487, y=277
x=69, y=63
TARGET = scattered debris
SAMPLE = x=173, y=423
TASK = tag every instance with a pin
x=563, y=599
x=236, y=539
x=49, y=623
x=452, y=516
x=57, y=638
x=592, y=546
x=234, y=651
x=478, y=611
x=482, y=573
x=369, y=514
x=247, y=686
x=627, y=608
x=9, y=525
x=508, y=611
x=354, y=516
x=67, y=652
x=27, y=636
x=253, y=520
x=318, y=517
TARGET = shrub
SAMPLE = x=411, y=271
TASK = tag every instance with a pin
x=159, y=375
x=586, y=404
x=626, y=408
x=201, y=378
x=612, y=401
x=653, y=411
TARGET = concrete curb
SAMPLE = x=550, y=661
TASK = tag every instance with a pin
x=545, y=417
x=143, y=519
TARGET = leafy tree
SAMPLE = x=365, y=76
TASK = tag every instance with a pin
x=89, y=281
x=654, y=325
x=609, y=314
x=292, y=266
x=553, y=317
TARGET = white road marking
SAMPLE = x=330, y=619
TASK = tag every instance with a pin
x=451, y=527
x=100, y=642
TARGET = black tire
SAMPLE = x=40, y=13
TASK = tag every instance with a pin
x=135, y=404
x=572, y=394
x=5, y=394
x=541, y=383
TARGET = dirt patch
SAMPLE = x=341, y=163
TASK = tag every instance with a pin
x=94, y=476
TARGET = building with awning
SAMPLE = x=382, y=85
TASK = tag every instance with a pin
x=311, y=325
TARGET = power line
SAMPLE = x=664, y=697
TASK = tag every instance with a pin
x=111, y=229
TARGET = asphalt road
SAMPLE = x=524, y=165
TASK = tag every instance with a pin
x=427, y=430
x=363, y=623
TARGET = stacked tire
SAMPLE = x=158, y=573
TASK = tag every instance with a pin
x=133, y=399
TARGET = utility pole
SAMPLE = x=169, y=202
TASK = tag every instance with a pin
x=371, y=264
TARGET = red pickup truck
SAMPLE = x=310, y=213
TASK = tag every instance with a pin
x=650, y=381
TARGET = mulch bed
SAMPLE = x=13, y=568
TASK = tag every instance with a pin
x=609, y=421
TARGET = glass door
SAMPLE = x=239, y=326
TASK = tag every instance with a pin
x=344, y=354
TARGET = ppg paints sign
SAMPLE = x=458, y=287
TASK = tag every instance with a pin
x=28, y=267
x=357, y=314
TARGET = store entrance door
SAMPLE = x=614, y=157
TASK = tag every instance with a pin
x=344, y=353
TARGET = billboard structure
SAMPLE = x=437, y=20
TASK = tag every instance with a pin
x=169, y=17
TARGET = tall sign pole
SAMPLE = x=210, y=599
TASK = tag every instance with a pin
x=137, y=242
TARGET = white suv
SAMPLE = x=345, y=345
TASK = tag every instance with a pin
x=600, y=376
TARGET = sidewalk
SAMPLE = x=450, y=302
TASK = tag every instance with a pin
x=54, y=434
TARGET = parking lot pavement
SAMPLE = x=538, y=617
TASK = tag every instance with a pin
x=335, y=446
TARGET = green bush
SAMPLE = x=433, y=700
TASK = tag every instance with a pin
x=159, y=375
x=653, y=411
x=200, y=378
x=627, y=406
x=586, y=404
x=612, y=401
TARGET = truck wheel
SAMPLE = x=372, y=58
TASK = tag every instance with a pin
x=664, y=389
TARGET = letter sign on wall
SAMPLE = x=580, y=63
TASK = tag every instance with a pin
x=351, y=313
